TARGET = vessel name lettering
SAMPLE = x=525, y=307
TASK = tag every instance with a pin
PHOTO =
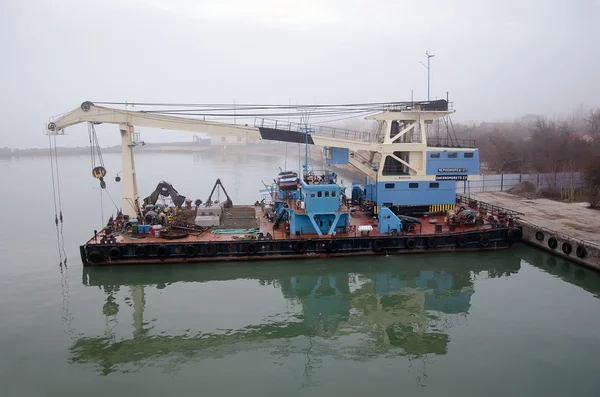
x=452, y=170
x=451, y=177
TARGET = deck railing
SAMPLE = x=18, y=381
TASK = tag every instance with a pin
x=451, y=143
x=482, y=205
x=333, y=132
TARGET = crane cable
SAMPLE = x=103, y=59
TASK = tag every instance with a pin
x=58, y=215
x=64, y=270
x=98, y=169
x=98, y=172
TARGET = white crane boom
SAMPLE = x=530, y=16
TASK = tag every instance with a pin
x=88, y=112
x=381, y=142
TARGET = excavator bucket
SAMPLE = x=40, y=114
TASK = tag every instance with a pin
x=228, y=203
x=165, y=189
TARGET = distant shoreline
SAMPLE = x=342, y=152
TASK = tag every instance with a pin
x=253, y=148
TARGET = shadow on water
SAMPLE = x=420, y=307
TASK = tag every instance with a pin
x=359, y=309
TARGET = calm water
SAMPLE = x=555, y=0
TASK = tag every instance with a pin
x=514, y=323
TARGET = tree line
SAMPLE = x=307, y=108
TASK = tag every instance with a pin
x=542, y=145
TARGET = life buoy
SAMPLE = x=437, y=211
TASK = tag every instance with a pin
x=332, y=246
x=514, y=233
x=566, y=247
x=377, y=245
x=300, y=246
x=461, y=241
x=431, y=243
x=581, y=252
x=552, y=243
x=411, y=243
x=210, y=249
x=484, y=240
x=539, y=235
x=95, y=257
x=252, y=248
x=140, y=250
x=190, y=250
x=114, y=253
x=162, y=250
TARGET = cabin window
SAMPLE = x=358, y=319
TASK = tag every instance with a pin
x=391, y=166
x=312, y=194
x=319, y=194
x=321, y=223
x=434, y=185
x=453, y=155
x=327, y=193
x=413, y=185
x=434, y=155
x=468, y=155
x=390, y=185
x=329, y=223
x=333, y=194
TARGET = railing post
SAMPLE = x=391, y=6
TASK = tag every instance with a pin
x=501, y=182
x=275, y=124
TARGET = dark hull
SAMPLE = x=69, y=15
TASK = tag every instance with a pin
x=296, y=248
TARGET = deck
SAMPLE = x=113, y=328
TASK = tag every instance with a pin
x=246, y=217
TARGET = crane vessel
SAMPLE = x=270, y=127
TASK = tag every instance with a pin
x=408, y=202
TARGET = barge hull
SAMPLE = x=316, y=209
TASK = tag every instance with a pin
x=294, y=248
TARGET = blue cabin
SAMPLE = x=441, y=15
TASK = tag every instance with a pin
x=320, y=210
x=312, y=206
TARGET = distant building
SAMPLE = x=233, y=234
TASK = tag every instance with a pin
x=584, y=136
x=201, y=141
x=217, y=140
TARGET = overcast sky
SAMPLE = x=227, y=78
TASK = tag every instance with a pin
x=498, y=60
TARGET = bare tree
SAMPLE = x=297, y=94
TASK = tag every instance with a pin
x=593, y=119
x=501, y=153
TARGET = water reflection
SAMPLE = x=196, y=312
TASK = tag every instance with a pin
x=582, y=277
x=349, y=310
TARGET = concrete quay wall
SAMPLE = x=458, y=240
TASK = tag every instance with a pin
x=582, y=252
x=549, y=224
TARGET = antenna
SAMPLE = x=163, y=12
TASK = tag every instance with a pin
x=305, y=115
x=429, y=56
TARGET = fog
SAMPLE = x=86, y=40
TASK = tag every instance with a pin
x=497, y=60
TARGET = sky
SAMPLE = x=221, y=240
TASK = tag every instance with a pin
x=498, y=60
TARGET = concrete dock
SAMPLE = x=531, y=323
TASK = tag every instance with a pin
x=555, y=226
